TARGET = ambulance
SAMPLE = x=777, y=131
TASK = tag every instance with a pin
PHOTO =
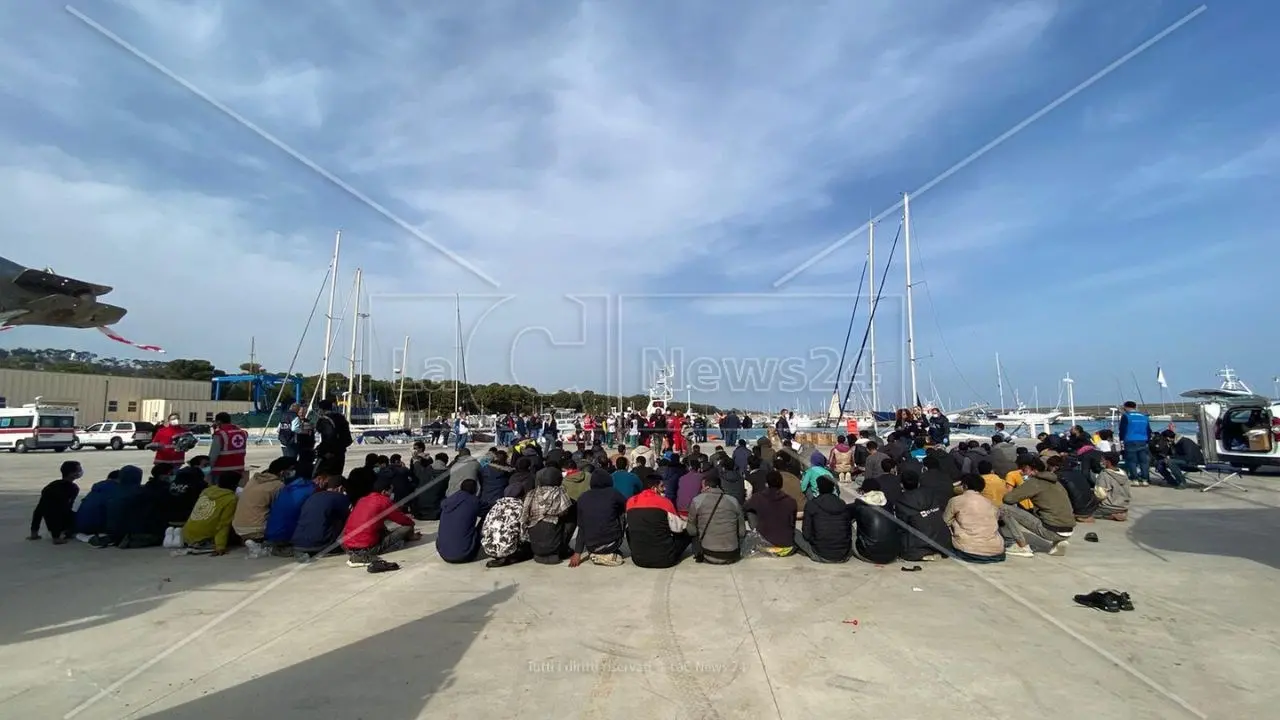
x=36, y=426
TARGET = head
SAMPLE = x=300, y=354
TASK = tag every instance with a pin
x=653, y=481
x=972, y=482
x=620, y=464
x=464, y=453
x=774, y=480
x=113, y=475
x=469, y=486
x=1168, y=434
x=1028, y=464
x=222, y=418
x=742, y=443
x=641, y=463
x=284, y=468
x=371, y=460
x=1054, y=463
x=325, y=405
x=396, y=460
x=419, y=447
x=1130, y=406
x=870, y=485
x=333, y=483
x=173, y=420
x=383, y=485
x=826, y=486
x=842, y=439
x=1106, y=434
x=999, y=427
x=910, y=479
x=889, y=465
x=996, y=440
x=872, y=446
x=229, y=480
x=162, y=472
x=199, y=462
x=622, y=449
x=985, y=467
x=710, y=482
x=930, y=462
x=442, y=458
x=1111, y=460
x=71, y=470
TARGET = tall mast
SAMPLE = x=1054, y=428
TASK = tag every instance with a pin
x=871, y=275
x=457, y=352
x=1071, y=397
x=253, y=356
x=1000, y=381
x=355, y=336
x=328, y=322
x=911, y=322
x=404, y=370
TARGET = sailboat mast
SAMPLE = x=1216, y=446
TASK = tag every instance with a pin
x=871, y=331
x=1000, y=381
x=911, y=324
x=404, y=371
x=328, y=321
x=253, y=356
x=355, y=337
x=457, y=352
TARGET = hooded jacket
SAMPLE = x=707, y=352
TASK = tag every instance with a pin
x=127, y=508
x=494, y=479
x=878, y=539
x=458, y=535
x=431, y=486
x=809, y=481
x=601, y=510
x=91, y=517
x=210, y=519
x=741, y=455
x=689, y=487
x=1004, y=458
x=576, y=483
x=255, y=504
x=921, y=510
x=732, y=482
x=464, y=467
x=828, y=527
x=652, y=525
x=775, y=512
x=716, y=518
x=321, y=520
x=286, y=508
x=1048, y=498
x=974, y=524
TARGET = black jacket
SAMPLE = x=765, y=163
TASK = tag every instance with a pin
x=878, y=538
x=921, y=510
x=601, y=511
x=733, y=484
x=775, y=513
x=426, y=505
x=1079, y=483
x=1186, y=450
x=458, y=535
x=493, y=483
x=939, y=484
x=828, y=526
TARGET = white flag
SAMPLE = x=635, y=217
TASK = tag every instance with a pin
x=1160, y=377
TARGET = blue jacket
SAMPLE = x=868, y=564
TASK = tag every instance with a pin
x=91, y=518
x=127, y=509
x=282, y=520
x=321, y=519
x=1135, y=427
x=627, y=483
x=458, y=534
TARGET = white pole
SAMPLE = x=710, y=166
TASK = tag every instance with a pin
x=404, y=370
x=1071, y=397
x=328, y=322
x=355, y=337
x=1000, y=381
x=871, y=273
x=911, y=324
x=457, y=352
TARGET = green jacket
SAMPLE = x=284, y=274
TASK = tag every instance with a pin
x=211, y=518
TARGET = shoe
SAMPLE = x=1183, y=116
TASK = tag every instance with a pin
x=1059, y=549
x=1118, y=517
x=931, y=557
x=1019, y=551
x=1084, y=518
x=1103, y=600
x=611, y=560
x=358, y=559
x=1122, y=599
x=378, y=565
x=60, y=541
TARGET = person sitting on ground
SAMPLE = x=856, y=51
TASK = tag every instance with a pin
x=577, y=480
x=1112, y=489
x=167, y=504
x=741, y=457
x=826, y=534
x=458, y=535
x=550, y=518
x=522, y=476
x=1015, y=478
x=619, y=452
x=875, y=459
x=655, y=532
x=322, y=518
x=757, y=477
x=716, y=523
x=1051, y=519
x=286, y=508
x=188, y=482
x=129, y=513
x=934, y=480
x=208, y=529
x=463, y=467
x=402, y=480
x=250, y=522
x=925, y=535
x=601, y=512
x=786, y=466
x=1003, y=456
x=772, y=513
x=841, y=460
x=556, y=453
x=887, y=482
x=731, y=481
x=365, y=536
x=625, y=482
x=1184, y=454
x=502, y=534
x=993, y=487
x=690, y=484
x=360, y=480
x=56, y=503
x=809, y=480
x=1106, y=441
x=494, y=479
x=974, y=522
x=91, y=516
x=765, y=453
x=878, y=538
x=1076, y=474
x=429, y=475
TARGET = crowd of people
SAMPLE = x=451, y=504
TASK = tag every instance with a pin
x=915, y=499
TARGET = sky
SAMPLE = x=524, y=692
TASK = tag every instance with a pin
x=582, y=192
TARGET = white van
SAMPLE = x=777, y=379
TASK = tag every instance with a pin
x=1239, y=428
x=37, y=427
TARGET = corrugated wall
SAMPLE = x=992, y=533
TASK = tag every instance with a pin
x=99, y=397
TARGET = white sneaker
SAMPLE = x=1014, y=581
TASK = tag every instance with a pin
x=1019, y=551
x=168, y=539
x=1059, y=548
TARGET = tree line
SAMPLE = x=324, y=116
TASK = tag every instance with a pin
x=435, y=397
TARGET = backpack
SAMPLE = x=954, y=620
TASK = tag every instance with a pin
x=342, y=430
x=284, y=433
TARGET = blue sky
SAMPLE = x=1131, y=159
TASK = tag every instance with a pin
x=601, y=181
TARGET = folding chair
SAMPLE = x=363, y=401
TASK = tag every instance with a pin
x=1219, y=469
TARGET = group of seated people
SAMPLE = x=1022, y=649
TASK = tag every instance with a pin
x=977, y=502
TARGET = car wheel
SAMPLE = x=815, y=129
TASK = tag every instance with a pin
x=117, y=444
x=75, y=444
x=59, y=449
x=20, y=447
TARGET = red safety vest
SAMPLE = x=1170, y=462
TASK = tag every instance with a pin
x=233, y=441
x=167, y=452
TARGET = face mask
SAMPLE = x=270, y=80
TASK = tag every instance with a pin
x=206, y=470
x=174, y=422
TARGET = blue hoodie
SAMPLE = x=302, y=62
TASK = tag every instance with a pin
x=126, y=510
x=91, y=517
x=458, y=535
x=282, y=519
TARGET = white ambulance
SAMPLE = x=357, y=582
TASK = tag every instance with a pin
x=36, y=426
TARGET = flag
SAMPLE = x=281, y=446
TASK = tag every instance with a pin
x=1160, y=377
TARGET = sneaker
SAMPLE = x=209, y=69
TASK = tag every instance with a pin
x=378, y=565
x=1019, y=551
x=358, y=559
x=1059, y=548
x=611, y=560
x=931, y=557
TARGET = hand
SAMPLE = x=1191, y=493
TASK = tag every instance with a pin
x=575, y=560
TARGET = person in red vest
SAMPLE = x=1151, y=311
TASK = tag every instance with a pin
x=229, y=444
x=589, y=428
x=167, y=452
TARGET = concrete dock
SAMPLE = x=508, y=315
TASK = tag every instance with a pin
x=138, y=633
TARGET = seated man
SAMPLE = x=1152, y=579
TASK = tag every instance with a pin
x=502, y=534
x=130, y=514
x=827, y=531
x=431, y=475
x=655, y=533
x=925, y=535
x=974, y=522
x=1113, y=489
x=54, y=508
x=286, y=509
x=601, y=512
x=1186, y=454
x=366, y=535
x=550, y=517
x=716, y=523
x=879, y=538
x=91, y=516
x=690, y=484
x=458, y=535
x=772, y=513
x=1050, y=519
x=993, y=486
x=321, y=519
x=624, y=481
x=789, y=469
x=209, y=527
x=254, y=506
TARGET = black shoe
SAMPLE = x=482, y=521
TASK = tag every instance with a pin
x=1103, y=600
x=1122, y=599
x=380, y=566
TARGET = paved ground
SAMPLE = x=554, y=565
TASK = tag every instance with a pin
x=202, y=637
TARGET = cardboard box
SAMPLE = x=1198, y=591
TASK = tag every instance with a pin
x=1259, y=440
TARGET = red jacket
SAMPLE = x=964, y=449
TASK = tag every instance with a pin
x=164, y=437
x=365, y=527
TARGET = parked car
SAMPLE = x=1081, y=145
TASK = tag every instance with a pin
x=114, y=435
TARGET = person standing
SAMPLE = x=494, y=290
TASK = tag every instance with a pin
x=288, y=430
x=334, y=435
x=167, y=451
x=1135, y=433
x=227, y=446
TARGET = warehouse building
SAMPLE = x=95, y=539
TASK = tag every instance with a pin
x=100, y=398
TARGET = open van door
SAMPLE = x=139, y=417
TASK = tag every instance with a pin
x=1216, y=405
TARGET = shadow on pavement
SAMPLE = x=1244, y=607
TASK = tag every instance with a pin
x=1252, y=534
x=390, y=676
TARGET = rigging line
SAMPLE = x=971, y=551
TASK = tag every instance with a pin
x=875, y=305
x=296, y=352
x=862, y=279
x=933, y=309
